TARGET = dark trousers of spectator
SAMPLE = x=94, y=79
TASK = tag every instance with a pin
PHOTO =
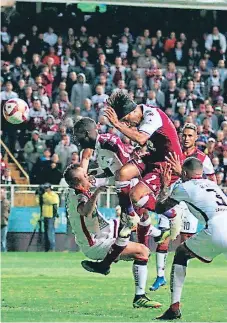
x=49, y=234
x=4, y=230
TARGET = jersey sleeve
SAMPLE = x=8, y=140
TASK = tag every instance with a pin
x=152, y=121
x=208, y=168
x=113, y=143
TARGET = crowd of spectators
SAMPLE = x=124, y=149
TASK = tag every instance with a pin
x=64, y=77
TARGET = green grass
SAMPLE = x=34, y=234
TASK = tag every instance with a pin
x=53, y=287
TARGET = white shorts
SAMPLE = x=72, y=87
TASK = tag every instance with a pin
x=189, y=221
x=100, y=249
x=210, y=242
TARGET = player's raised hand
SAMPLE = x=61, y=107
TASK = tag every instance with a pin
x=174, y=160
x=111, y=115
x=166, y=174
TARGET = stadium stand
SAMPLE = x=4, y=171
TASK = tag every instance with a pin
x=66, y=68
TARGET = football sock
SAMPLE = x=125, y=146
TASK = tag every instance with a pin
x=143, y=229
x=178, y=274
x=161, y=263
x=139, y=269
x=115, y=250
x=123, y=189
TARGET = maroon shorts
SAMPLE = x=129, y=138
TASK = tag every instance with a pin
x=150, y=175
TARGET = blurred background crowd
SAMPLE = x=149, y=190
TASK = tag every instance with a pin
x=65, y=64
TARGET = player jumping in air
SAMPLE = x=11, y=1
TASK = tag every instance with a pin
x=206, y=202
x=156, y=133
x=189, y=222
x=95, y=235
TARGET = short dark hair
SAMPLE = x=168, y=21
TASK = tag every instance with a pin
x=121, y=103
x=84, y=124
x=68, y=173
x=192, y=164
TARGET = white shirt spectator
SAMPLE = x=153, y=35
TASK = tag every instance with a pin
x=220, y=37
x=5, y=96
x=50, y=38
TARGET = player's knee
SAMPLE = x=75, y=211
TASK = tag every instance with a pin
x=122, y=174
x=134, y=195
x=142, y=253
x=163, y=247
x=182, y=256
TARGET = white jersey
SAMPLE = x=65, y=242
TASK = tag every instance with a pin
x=87, y=230
x=203, y=197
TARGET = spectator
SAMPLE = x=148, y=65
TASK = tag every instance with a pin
x=160, y=96
x=171, y=94
x=151, y=99
x=100, y=63
x=17, y=69
x=5, y=35
x=177, y=54
x=83, y=69
x=170, y=42
x=89, y=111
x=99, y=99
x=27, y=77
x=74, y=159
x=71, y=80
x=39, y=169
x=210, y=150
x=182, y=100
x=49, y=128
x=220, y=178
x=52, y=55
x=20, y=90
x=5, y=212
x=80, y=92
x=216, y=163
x=146, y=60
x=37, y=114
x=50, y=37
x=214, y=85
x=57, y=113
x=3, y=164
x=109, y=50
x=64, y=150
x=123, y=47
x=118, y=71
x=58, y=136
x=47, y=80
x=33, y=149
x=8, y=93
x=6, y=177
x=6, y=73
x=216, y=45
x=140, y=91
x=45, y=101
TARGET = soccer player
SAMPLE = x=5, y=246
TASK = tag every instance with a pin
x=189, y=222
x=95, y=235
x=208, y=203
x=112, y=155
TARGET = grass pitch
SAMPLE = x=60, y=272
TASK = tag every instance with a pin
x=53, y=287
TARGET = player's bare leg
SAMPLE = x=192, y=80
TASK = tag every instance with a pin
x=178, y=274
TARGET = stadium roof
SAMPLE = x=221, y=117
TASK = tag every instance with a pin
x=184, y=4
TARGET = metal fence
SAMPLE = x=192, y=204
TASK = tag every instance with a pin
x=25, y=195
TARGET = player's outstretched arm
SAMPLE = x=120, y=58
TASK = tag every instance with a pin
x=86, y=155
x=87, y=209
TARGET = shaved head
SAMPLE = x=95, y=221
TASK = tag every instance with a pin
x=85, y=133
x=192, y=168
